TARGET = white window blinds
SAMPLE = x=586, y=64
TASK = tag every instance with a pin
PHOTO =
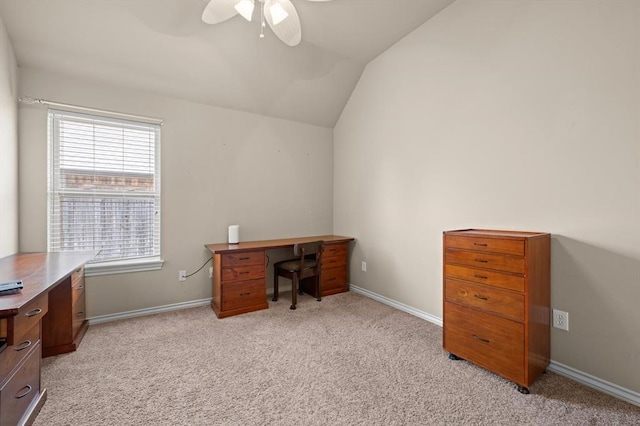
x=104, y=186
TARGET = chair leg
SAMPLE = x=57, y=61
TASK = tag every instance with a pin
x=318, y=290
x=294, y=293
x=275, y=286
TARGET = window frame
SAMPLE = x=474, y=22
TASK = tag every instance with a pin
x=54, y=188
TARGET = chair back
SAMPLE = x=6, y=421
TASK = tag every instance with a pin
x=306, y=249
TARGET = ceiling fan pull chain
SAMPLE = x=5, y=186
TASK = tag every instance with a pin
x=262, y=19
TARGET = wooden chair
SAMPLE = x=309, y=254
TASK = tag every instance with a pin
x=307, y=264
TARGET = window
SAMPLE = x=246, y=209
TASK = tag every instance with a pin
x=104, y=190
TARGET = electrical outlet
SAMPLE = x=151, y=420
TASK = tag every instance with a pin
x=561, y=319
x=363, y=267
x=182, y=275
x=210, y=271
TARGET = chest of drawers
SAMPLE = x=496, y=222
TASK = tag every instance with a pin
x=496, y=301
x=239, y=283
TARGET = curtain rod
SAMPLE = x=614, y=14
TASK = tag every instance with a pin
x=29, y=100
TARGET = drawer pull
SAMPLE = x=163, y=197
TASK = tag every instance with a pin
x=25, y=393
x=480, y=276
x=80, y=287
x=244, y=258
x=245, y=294
x=481, y=260
x=477, y=296
x=243, y=273
x=331, y=261
x=23, y=346
x=480, y=244
x=80, y=314
x=480, y=338
x=34, y=312
x=332, y=279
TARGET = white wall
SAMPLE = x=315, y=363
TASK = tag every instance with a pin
x=219, y=167
x=8, y=146
x=507, y=115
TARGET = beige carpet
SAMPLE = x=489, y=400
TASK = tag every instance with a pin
x=347, y=360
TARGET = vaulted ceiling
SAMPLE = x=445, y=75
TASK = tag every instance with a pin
x=162, y=46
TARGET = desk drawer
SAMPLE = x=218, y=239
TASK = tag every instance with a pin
x=232, y=260
x=77, y=278
x=490, y=299
x=333, y=279
x=242, y=294
x=492, y=278
x=21, y=389
x=29, y=315
x=487, y=340
x=486, y=261
x=13, y=354
x=78, y=313
x=334, y=262
x=334, y=250
x=243, y=273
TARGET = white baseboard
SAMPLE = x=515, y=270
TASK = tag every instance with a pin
x=400, y=306
x=595, y=383
x=148, y=311
x=555, y=367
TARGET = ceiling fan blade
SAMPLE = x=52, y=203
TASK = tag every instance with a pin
x=219, y=10
x=287, y=30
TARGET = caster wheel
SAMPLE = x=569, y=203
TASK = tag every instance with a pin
x=454, y=357
x=523, y=390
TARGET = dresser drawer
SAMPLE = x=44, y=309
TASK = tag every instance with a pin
x=486, y=260
x=242, y=273
x=487, y=340
x=30, y=315
x=242, y=294
x=21, y=389
x=243, y=259
x=334, y=250
x=490, y=299
x=496, y=279
x=493, y=245
x=14, y=354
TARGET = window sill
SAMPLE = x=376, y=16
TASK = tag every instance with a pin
x=123, y=267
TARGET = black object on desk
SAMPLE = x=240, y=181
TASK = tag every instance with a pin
x=11, y=287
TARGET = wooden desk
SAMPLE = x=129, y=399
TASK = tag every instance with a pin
x=239, y=272
x=23, y=324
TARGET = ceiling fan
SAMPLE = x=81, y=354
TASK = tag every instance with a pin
x=281, y=16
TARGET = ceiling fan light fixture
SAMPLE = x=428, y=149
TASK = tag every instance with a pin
x=278, y=14
x=245, y=8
